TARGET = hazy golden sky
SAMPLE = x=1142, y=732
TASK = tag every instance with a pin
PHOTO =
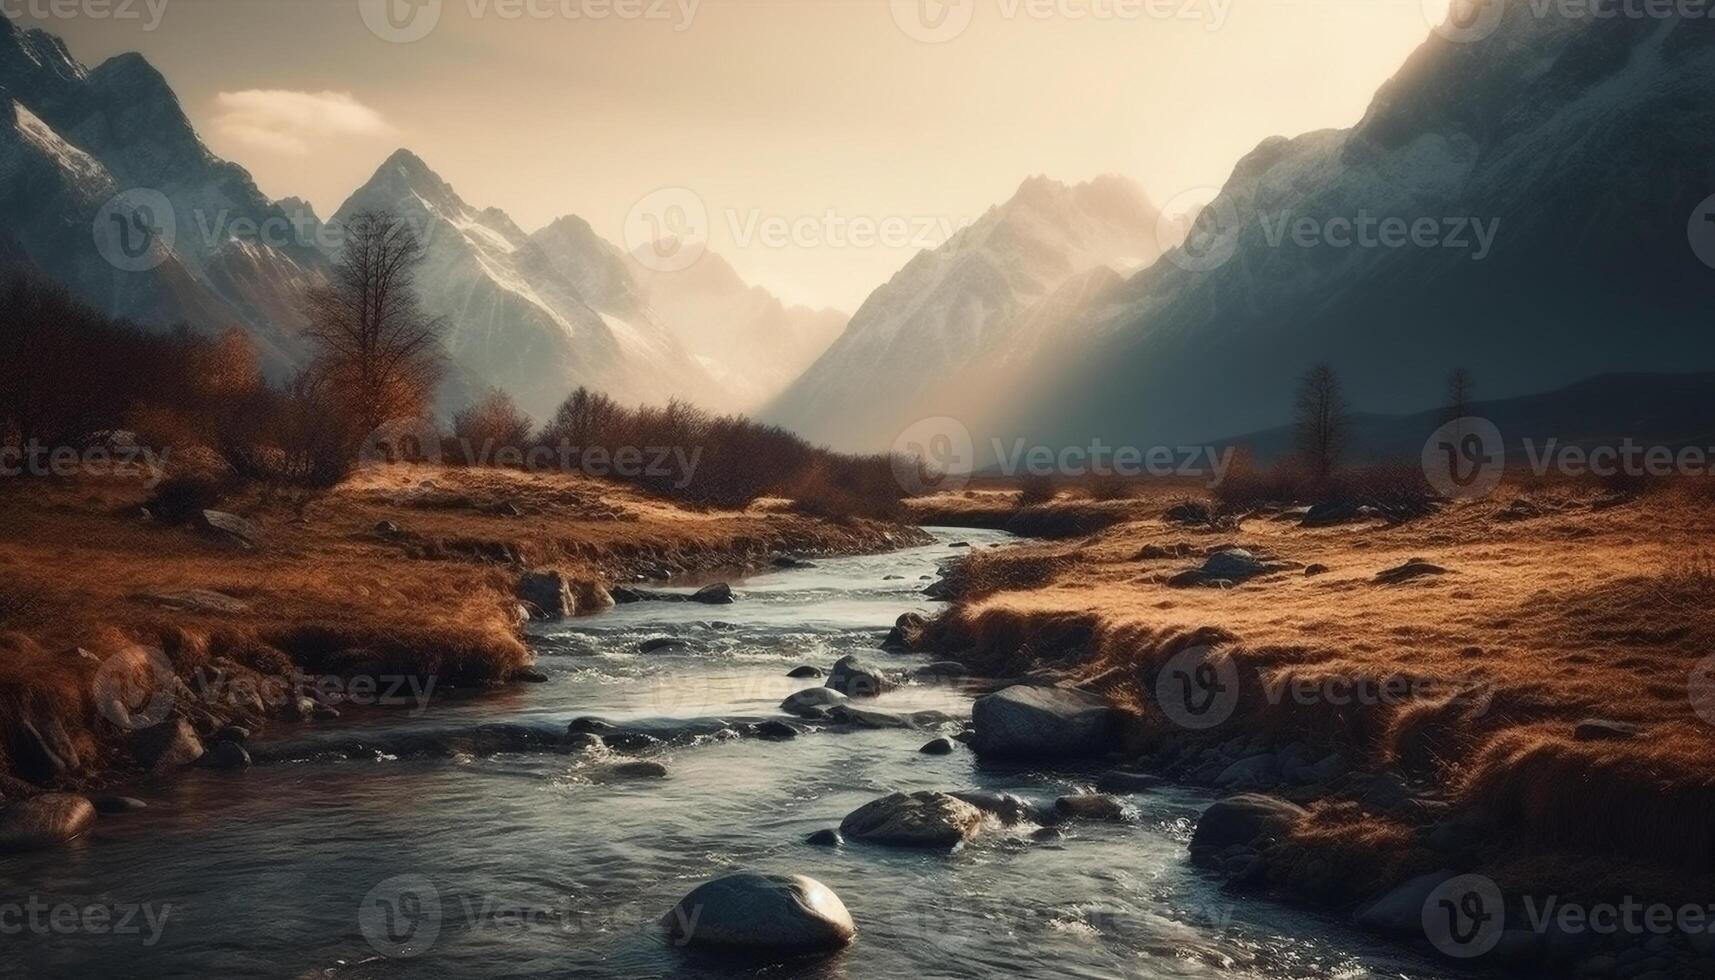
x=914, y=114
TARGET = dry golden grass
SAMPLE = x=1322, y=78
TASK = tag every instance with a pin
x=326, y=592
x=1592, y=611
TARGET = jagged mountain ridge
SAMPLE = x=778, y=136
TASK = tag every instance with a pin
x=1588, y=142
x=988, y=299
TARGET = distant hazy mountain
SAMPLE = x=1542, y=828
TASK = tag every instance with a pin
x=753, y=344
x=536, y=315
x=71, y=139
x=1585, y=145
x=995, y=296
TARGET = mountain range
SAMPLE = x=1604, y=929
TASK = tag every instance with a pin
x=536, y=314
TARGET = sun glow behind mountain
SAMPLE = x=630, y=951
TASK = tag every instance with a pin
x=811, y=118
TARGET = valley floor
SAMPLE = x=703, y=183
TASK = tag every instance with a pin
x=1531, y=698
x=401, y=576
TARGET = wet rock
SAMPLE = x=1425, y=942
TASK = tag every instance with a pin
x=825, y=838
x=1089, y=806
x=824, y=697
x=930, y=820
x=631, y=741
x=814, y=712
x=584, y=742
x=749, y=910
x=942, y=668
x=855, y=678
x=719, y=594
x=1400, y=911
x=44, y=821
x=644, y=769
x=231, y=528
x=775, y=731
x=524, y=675
x=938, y=746
x=849, y=714
x=1043, y=722
x=232, y=733
x=1413, y=569
x=1255, y=772
x=903, y=636
x=589, y=725
x=1245, y=819
x=225, y=755
x=1116, y=781
x=658, y=644
x=548, y=594
x=939, y=591
x=110, y=805
x=1005, y=807
x=1604, y=730
x=169, y=745
x=789, y=561
x=804, y=671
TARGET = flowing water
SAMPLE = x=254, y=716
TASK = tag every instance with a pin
x=535, y=863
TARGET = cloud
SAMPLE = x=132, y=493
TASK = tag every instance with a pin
x=283, y=121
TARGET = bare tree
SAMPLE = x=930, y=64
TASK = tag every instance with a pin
x=1324, y=429
x=376, y=347
x=493, y=423
x=1460, y=389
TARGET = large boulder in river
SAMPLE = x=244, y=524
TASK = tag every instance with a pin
x=799, y=702
x=750, y=910
x=1043, y=722
x=855, y=678
x=547, y=594
x=43, y=821
x=1245, y=819
x=930, y=820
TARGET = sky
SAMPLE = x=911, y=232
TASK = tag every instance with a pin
x=817, y=143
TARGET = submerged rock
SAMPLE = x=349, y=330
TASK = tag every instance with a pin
x=44, y=821
x=804, y=670
x=1043, y=722
x=225, y=755
x=938, y=746
x=588, y=725
x=1089, y=806
x=825, y=838
x=798, y=701
x=639, y=770
x=773, y=730
x=750, y=910
x=925, y=819
x=855, y=678
x=1116, y=781
x=1005, y=807
x=718, y=594
x=657, y=644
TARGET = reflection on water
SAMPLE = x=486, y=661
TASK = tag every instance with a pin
x=527, y=864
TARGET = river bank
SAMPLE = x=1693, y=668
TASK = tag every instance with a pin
x=1504, y=699
x=114, y=620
